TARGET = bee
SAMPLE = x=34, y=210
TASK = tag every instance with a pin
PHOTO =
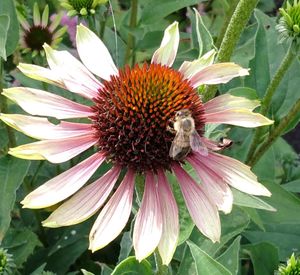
x=186, y=136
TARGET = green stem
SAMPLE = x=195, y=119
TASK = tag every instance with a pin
x=228, y=15
x=265, y=105
x=277, y=132
x=233, y=32
x=161, y=269
x=131, y=39
x=4, y=109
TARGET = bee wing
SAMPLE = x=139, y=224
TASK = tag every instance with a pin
x=176, y=146
x=197, y=145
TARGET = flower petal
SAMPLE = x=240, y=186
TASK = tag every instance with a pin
x=72, y=72
x=215, y=188
x=84, y=203
x=170, y=233
x=189, y=69
x=148, y=224
x=217, y=73
x=234, y=110
x=166, y=53
x=41, y=74
x=41, y=103
x=235, y=173
x=94, y=54
x=42, y=128
x=204, y=214
x=114, y=215
x=55, y=151
x=63, y=185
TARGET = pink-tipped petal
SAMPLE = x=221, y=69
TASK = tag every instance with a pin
x=55, y=151
x=42, y=128
x=169, y=210
x=94, y=53
x=85, y=202
x=215, y=188
x=72, y=72
x=148, y=224
x=217, y=73
x=203, y=212
x=63, y=185
x=166, y=53
x=41, y=74
x=234, y=110
x=235, y=173
x=189, y=69
x=41, y=103
x=114, y=214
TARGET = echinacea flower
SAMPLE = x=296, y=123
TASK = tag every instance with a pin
x=289, y=23
x=130, y=112
x=35, y=34
x=81, y=7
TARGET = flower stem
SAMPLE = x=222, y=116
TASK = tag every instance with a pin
x=161, y=269
x=265, y=105
x=3, y=109
x=275, y=133
x=103, y=22
x=233, y=32
x=131, y=39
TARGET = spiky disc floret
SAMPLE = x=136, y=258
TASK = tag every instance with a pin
x=36, y=36
x=292, y=267
x=133, y=111
x=81, y=7
x=289, y=23
x=7, y=264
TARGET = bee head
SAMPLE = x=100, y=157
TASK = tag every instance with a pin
x=182, y=113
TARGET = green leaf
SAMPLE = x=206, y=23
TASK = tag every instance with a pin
x=200, y=33
x=292, y=186
x=230, y=258
x=4, y=25
x=244, y=92
x=7, y=7
x=243, y=199
x=264, y=257
x=12, y=173
x=157, y=9
x=85, y=272
x=20, y=243
x=206, y=264
x=133, y=266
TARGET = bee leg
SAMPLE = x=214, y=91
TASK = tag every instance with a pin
x=171, y=130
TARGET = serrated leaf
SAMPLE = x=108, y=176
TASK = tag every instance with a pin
x=133, y=266
x=7, y=7
x=20, y=243
x=4, y=25
x=12, y=173
x=230, y=258
x=206, y=264
x=243, y=199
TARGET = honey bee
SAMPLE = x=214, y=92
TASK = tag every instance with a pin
x=186, y=138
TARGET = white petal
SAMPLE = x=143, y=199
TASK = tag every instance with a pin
x=41, y=103
x=76, y=77
x=235, y=173
x=204, y=214
x=189, y=69
x=84, y=203
x=63, y=185
x=148, y=224
x=218, y=73
x=41, y=74
x=170, y=233
x=94, y=54
x=114, y=215
x=42, y=128
x=166, y=53
x=55, y=151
